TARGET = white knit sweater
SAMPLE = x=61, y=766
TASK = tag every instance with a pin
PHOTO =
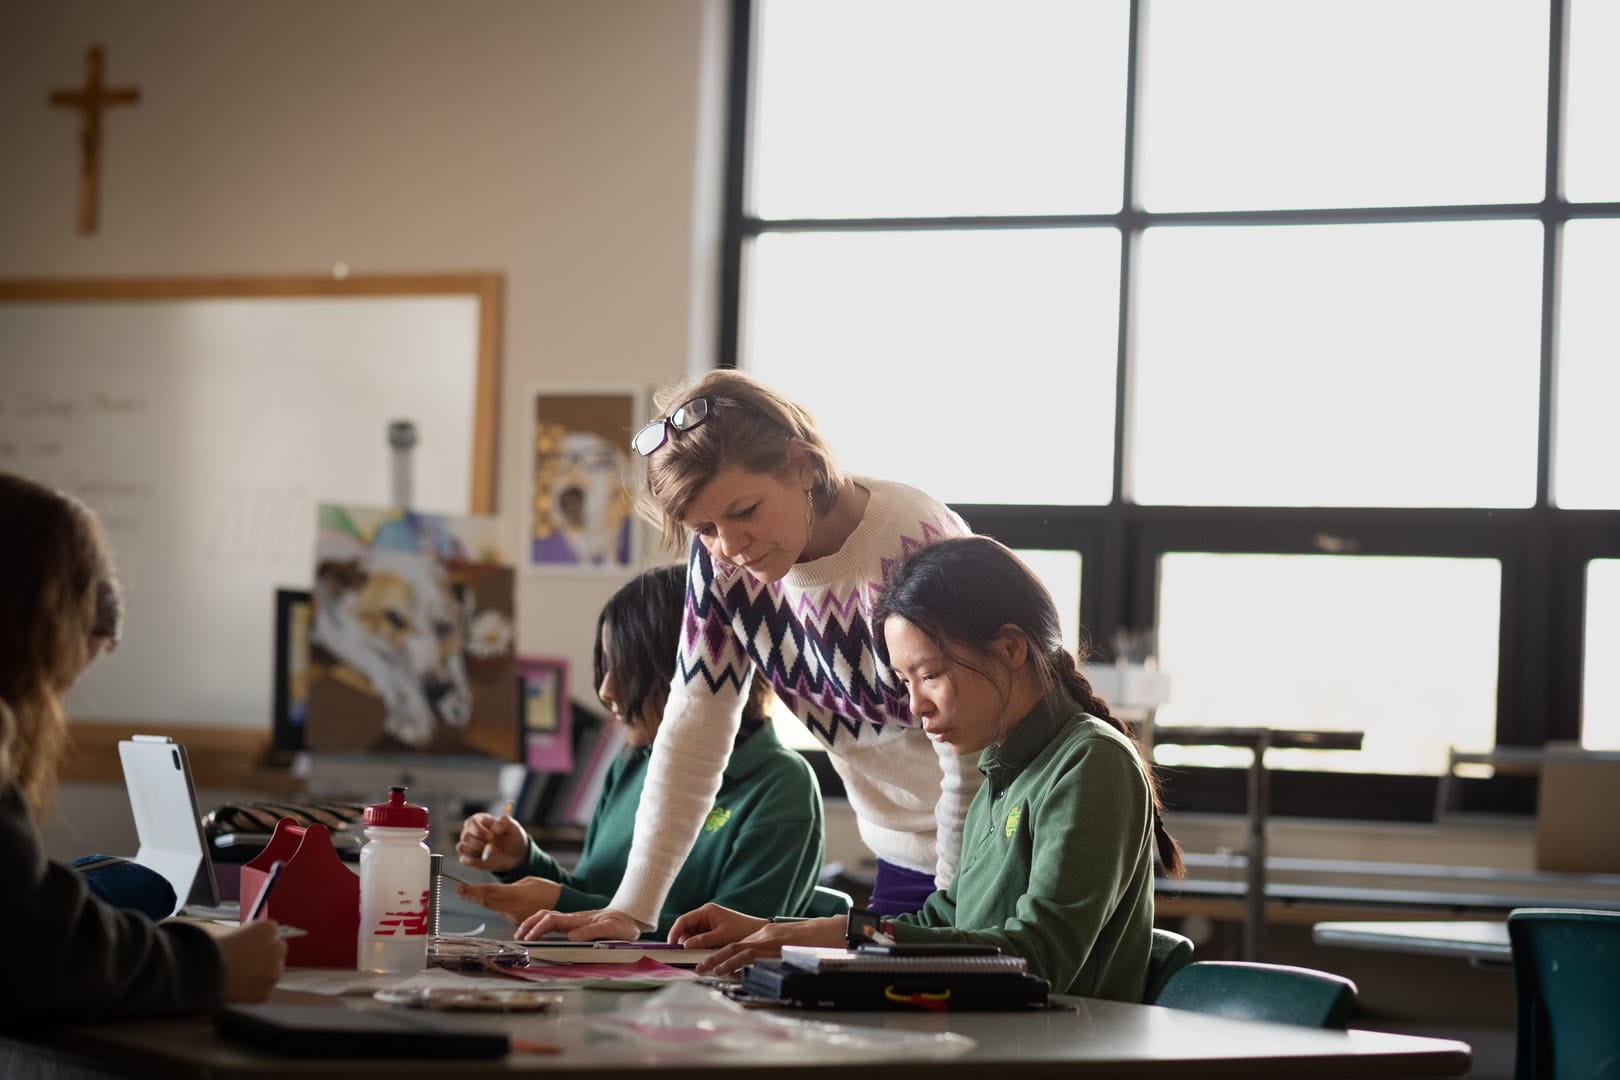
x=811, y=635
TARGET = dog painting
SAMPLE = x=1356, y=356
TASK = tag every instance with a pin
x=411, y=642
x=580, y=513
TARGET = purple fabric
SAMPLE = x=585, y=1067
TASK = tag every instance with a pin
x=898, y=891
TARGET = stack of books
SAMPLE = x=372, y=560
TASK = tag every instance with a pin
x=932, y=977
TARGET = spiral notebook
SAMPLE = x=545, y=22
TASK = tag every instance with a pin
x=847, y=961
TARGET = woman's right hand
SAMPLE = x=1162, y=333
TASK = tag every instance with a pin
x=510, y=842
x=254, y=956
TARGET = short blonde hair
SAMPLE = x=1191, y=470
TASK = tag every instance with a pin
x=764, y=433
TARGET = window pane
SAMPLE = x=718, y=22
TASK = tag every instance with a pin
x=887, y=108
x=1403, y=649
x=1591, y=151
x=1059, y=571
x=1588, y=441
x=1600, y=700
x=978, y=366
x=1338, y=365
x=1275, y=103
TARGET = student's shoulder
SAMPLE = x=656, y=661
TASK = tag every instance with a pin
x=1091, y=742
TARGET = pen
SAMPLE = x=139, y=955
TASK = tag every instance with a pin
x=489, y=848
x=264, y=892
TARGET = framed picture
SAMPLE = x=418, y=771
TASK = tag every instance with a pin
x=290, y=694
x=411, y=638
x=545, y=717
x=580, y=505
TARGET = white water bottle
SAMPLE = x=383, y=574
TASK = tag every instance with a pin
x=394, y=886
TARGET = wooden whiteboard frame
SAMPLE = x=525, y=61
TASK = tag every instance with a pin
x=487, y=288
x=230, y=756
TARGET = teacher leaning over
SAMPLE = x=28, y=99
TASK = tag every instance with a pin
x=787, y=558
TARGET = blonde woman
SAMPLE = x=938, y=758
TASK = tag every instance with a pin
x=786, y=558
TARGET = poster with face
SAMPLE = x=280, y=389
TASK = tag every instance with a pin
x=580, y=511
x=411, y=641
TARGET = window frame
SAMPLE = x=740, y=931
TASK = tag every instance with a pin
x=1542, y=550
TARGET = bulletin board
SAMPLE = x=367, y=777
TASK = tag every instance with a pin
x=204, y=419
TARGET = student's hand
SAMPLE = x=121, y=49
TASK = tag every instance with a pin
x=253, y=957
x=746, y=939
x=511, y=842
x=605, y=924
x=516, y=901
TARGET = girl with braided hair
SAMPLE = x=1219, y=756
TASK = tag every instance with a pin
x=1059, y=843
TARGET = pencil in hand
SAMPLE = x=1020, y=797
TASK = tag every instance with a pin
x=489, y=848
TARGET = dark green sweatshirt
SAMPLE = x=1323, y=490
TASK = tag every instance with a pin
x=1057, y=857
x=759, y=850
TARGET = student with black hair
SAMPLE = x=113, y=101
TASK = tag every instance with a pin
x=760, y=846
x=1058, y=847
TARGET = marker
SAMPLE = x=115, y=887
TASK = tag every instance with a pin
x=264, y=893
x=489, y=848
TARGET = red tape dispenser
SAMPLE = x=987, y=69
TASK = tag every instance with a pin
x=313, y=891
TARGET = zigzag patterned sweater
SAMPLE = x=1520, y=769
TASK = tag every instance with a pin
x=811, y=635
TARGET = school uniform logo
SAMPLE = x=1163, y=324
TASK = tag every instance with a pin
x=1012, y=820
x=716, y=820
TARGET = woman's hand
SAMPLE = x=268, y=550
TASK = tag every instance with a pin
x=516, y=901
x=254, y=956
x=510, y=842
x=742, y=939
x=604, y=924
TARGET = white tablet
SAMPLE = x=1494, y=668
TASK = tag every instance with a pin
x=164, y=801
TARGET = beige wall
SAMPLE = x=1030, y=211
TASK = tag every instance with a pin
x=571, y=145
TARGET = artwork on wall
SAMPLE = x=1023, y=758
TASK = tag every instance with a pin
x=580, y=506
x=547, y=720
x=411, y=642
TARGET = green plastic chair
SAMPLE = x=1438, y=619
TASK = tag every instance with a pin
x=1274, y=992
x=1169, y=953
x=1566, y=974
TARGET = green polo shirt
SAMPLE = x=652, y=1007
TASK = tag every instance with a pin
x=759, y=849
x=1057, y=857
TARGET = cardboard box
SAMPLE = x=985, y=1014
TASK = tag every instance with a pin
x=1577, y=807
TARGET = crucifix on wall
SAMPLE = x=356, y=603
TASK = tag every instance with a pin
x=90, y=100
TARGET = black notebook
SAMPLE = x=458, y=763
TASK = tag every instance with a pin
x=775, y=980
x=337, y=1031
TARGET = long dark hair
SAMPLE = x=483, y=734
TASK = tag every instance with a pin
x=58, y=596
x=643, y=623
x=962, y=591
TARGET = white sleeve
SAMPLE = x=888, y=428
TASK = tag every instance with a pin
x=959, y=784
x=689, y=755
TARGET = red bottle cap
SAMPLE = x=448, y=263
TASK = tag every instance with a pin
x=396, y=813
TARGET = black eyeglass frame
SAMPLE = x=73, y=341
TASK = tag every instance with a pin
x=684, y=417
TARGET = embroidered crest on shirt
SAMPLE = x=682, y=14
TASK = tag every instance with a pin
x=716, y=820
x=1012, y=820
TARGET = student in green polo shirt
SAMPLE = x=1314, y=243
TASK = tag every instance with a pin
x=760, y=847
x=1058, y=845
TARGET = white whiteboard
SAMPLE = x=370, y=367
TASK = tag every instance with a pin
x=204, y=431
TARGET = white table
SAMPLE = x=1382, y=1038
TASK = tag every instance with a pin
x=1484, y=943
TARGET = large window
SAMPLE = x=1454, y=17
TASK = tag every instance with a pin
x=1286, y=330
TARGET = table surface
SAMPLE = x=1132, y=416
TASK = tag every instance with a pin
x=1482, y=941
x=1084, y=1038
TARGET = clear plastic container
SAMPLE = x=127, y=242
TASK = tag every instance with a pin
x=394, y=887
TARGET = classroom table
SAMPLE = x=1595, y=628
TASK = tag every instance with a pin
x=1482, y=943
x=1083, y=1038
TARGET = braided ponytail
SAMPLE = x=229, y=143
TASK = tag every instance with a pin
x=1061, y=664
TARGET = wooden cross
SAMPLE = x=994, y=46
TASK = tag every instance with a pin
x=91, y=100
